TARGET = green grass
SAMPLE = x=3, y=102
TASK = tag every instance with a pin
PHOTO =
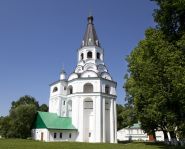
x=30, y=144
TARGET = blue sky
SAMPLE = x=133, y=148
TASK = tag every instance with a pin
x=37, y=37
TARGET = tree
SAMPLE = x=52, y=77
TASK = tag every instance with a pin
x=43, y=108
x=156, y=82
x=126, y=116
x=19, y=122
x=22, y=118
x=25, y=100
x=170, y=17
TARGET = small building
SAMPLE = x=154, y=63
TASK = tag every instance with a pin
x=135, y=133
x=50, y=127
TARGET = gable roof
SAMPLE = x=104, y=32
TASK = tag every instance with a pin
x=52, y=121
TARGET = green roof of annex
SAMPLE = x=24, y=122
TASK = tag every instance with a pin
x=52, y=121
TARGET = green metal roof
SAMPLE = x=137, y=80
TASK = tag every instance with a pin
x=52, y=121
x=135, y=126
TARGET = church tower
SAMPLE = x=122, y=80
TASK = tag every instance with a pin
x=88, y=95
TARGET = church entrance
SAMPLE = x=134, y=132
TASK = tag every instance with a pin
x=88, y=120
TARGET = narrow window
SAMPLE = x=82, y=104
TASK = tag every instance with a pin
x=69, y=135
x=60, y=135
x=98, y=55
x=55, y=135
x=107, y=89
x=64, y=103
x=70, y=90
x=55, y=89
x=82, y=56
x=89, y=134
x=89, y=54
x=64, y=87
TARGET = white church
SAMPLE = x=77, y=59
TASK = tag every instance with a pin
x=82, y=106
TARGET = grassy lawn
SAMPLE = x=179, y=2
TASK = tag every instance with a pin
x=30, y=144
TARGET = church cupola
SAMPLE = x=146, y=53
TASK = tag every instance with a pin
x=63, y=75
x=90, y=37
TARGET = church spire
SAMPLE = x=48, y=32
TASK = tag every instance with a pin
x=90, y=37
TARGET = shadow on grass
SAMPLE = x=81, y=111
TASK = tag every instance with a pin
x=159, y=145
x=162, y=145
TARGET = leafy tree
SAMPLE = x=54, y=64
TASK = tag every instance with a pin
x=126, y=116
x=170, y=17
x=43, y=108
x=156, y=82
x=5, y=126
x=25, y=100
x=22, y=118
x=22, y=113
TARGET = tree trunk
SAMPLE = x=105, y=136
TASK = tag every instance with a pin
x=166, y=139
x=173, y=138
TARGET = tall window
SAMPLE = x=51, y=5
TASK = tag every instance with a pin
x=55, y=135
x=82, y=56
x=70, y=135
x=107, y=89
x=98, y=55
x=89, y=54
x=70, y=90
x=88, y=88
x=60, y=135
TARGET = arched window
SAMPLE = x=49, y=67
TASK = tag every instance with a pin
x=82, y=56
x=88, y=88
x=98, y=55
x=55, y=89
x=70, y=90
x=107, y=89
x=89, y=54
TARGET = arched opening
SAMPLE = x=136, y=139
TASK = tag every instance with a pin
x=55, y=89
x=88, y=120
x=82, y=56
x=98, y=55
x=88, y=88
x=69, y=108
x=107, y=89
x=89, y=54
x=70, y=90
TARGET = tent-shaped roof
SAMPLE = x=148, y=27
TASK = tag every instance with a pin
x=52, y=121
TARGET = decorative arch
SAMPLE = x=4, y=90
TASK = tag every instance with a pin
x=70, y=90
x=88, y=88
x=89, y=54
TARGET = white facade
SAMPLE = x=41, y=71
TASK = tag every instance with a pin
x=88, y=95
x=137, y=134
x=53, y=135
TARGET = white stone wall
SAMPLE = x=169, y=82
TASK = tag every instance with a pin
x=36, y=134
x=126, y=134
x=48, y=136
